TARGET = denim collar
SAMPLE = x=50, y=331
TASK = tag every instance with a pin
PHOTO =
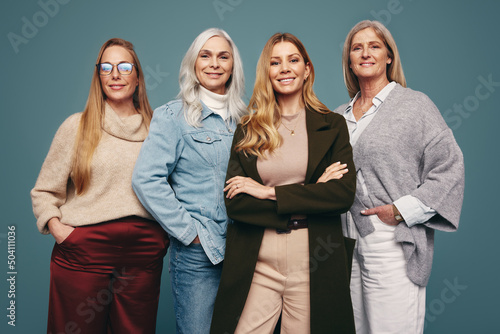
x=206, y=111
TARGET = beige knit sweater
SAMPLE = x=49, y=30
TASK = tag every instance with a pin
x=110, y=195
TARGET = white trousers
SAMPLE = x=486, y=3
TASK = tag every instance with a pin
x=383, y=297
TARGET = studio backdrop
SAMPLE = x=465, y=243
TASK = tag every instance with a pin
x=449, y=51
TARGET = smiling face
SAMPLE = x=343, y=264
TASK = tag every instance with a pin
x=369, y=56
x=118, y=88
x=214, y=64
x=287, y=70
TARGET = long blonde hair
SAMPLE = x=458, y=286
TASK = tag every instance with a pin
x=89, y=130
x=394, y=69
x=260, y=126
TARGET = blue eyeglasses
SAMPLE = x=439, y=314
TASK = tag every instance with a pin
x=107, y=68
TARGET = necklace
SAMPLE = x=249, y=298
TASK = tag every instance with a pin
x=292, y=131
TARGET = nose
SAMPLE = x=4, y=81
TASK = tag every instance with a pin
x=366, y=52
x=284, y=67
x=114, y=72
x=214, y=63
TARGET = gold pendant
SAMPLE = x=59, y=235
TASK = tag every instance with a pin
x=292, y=133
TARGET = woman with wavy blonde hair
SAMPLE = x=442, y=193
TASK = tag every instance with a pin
x=261, y=127
x=285, y=191
x=108, y=257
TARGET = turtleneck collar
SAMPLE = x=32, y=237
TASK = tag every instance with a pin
x=216, y=102
x=131, y=128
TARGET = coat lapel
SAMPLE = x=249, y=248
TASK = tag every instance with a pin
x=249, y=165
x=320, y=139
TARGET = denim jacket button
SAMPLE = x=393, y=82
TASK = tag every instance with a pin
x=209, y=139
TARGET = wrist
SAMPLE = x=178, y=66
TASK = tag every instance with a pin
x=272, y=193
x=52, y=222
x=397, y=215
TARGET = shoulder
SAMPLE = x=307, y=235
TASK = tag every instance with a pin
x=174, y=107
x=239, y=133
x=332, y=119
x=169, y=111
x=340, y=109
x=419, y=106
x=71, y=124
x=411, y=97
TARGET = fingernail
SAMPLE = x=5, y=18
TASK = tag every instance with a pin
x=363, y=211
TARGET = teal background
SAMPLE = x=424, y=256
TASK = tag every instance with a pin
x=445, y=46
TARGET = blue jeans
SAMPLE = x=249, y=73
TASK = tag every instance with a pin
x=195, y=281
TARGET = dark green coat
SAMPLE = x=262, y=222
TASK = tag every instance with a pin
x=330, y=253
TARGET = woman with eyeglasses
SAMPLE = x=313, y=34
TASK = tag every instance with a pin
x=108, y=257
x=286, y=254
x=179, y=175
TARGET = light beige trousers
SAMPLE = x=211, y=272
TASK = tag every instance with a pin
x=280, y=285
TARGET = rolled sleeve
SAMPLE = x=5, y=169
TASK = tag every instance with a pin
x=413, y=210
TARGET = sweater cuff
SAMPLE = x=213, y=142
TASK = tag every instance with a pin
x=44, y=219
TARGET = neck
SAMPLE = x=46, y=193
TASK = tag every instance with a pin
x=123, y=109
x=370, y=88
x=290, y=105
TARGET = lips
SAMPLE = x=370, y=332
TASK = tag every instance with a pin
x=116, y=87
x=214, y=75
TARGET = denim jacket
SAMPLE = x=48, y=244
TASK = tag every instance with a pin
x=179, y=176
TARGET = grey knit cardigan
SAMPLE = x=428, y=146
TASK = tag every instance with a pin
x=407, y=149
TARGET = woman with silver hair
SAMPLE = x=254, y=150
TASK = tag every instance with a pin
x=410, y=182
x=179, y=175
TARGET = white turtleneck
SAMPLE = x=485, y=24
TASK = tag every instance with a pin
x=216, y=102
